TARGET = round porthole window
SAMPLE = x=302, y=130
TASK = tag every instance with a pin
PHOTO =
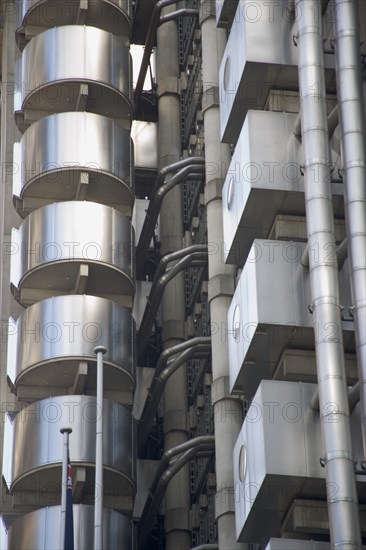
x=236, y=323
x=230, y=193
x=242, y=463
x=227, y=71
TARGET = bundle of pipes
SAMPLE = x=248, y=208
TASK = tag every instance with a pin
x=338, y=459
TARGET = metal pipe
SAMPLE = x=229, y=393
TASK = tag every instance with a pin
x=341, y=254
x=183, y=12
x=98, y=495
x=160, y=189
x=149, y=44
x=353, y=139
x=336, y=434
x=178, y=348
x=175, y=451
x=173, y=304
x=204, y=445
x=65, y=451
x=353, y=398
x=332, y=121
x=155, y=297
x=196, y=254
x=174, y=167
x=177, y=255
x=196, y=347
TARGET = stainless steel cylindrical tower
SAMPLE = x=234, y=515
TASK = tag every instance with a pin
x=73, y=268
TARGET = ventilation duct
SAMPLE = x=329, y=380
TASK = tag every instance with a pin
x=353, y=129
x=325, y=293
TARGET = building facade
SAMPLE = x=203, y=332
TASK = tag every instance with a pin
x=183, y=183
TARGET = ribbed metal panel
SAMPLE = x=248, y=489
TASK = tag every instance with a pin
x=40, y=529
x=74, y=68
x=34, y=438
x=54, y=243
x=35, y=16
x=75, y=156
x=52, y=340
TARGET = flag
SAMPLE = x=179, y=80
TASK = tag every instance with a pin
x=69, y=523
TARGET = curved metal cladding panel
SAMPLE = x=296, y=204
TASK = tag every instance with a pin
x=75, y=156
x=77, y=247
x=75, y=68
x=35, y=16
x=52, y=337
x=37, y=448
x=33, y=529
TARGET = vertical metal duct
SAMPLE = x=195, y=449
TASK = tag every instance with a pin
x=228, y=416
x=352, y=118
x=334, y=409
x=177, y=497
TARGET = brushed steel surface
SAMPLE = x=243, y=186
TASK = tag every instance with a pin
x=281, y=443
x=75, y=156
x=35, y=16
x=50, y=338
x=264, y=176
x=325, y=298
x=54, y=243
x=73, y=68
x=353, y=140
x=40, y=529
x=260, y=55
x=269, y=312
x=34, y=463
